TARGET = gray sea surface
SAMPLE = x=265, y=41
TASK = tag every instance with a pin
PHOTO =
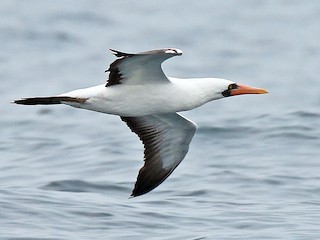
x=253, y=169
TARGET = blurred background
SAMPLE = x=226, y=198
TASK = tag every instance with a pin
x=252, y=171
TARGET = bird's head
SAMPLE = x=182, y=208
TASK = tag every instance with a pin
x=226, y=88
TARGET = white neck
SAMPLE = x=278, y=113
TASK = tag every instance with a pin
x=202, y=90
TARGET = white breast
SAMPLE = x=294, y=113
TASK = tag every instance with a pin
x=139, y=100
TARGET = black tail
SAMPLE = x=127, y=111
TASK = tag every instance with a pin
x=48, y=100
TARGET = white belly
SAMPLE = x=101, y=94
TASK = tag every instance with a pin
x=137, y=100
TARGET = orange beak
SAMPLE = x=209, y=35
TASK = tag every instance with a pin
x=243, y=89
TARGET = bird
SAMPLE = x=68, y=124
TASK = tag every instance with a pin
x=150, y=102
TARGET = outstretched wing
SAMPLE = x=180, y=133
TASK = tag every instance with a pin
x=166, y=139
x=140, y=68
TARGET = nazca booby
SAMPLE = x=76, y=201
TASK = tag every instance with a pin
x=148, y=102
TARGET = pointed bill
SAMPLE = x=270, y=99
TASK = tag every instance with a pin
x=243, y=89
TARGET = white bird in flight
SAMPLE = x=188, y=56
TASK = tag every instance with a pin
x=148, y=101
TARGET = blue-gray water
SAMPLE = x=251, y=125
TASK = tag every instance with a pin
x=253, y=169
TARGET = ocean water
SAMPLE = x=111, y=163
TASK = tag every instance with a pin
x=253, y=169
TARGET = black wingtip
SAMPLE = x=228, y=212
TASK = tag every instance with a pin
x=133, y=195
x=120, y=54
x=136, y=192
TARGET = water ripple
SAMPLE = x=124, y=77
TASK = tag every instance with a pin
x=81, y=186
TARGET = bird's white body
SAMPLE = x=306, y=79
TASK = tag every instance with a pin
x=175, y=95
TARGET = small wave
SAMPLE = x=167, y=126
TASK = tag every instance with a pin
x=226, y=130
x=195, y=193
x=38, y=35
x=81, y=186
x=292, y=132
x=32, y=238
x=83, y=17
x=305, y=114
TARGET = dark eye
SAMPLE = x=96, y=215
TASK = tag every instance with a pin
x=232, y=86
x=227, y=93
